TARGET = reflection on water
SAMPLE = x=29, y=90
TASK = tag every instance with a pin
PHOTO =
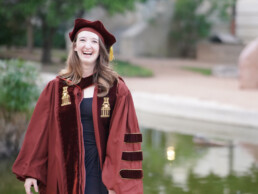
x=176, y=164
x=182, y=164
x=171, y=154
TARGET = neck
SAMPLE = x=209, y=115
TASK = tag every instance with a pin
x=87, y=69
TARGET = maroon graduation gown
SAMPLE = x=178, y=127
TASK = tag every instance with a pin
x=53, y=149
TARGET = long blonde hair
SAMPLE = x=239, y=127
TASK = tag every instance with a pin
x=104, y=75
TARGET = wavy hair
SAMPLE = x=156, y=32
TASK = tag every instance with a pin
x=104, y=75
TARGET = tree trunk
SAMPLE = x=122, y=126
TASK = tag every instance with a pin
x=30, y=37
x=48, y=33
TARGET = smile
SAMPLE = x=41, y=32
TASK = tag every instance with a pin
x=87, y=53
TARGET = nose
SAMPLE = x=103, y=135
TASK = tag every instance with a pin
x=88, y=44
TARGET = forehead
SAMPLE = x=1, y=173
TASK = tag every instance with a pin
x=87, y=34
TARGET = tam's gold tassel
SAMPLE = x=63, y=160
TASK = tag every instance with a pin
x=111, y=54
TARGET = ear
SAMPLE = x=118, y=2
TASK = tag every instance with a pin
x=75, y=47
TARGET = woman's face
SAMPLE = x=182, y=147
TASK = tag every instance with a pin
x=87, y=47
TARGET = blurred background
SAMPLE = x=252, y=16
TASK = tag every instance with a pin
x=192, y=67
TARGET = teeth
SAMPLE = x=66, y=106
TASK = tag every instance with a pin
x=87, y=53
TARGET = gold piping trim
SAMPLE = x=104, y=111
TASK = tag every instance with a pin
x=130, y=178
x=133, y=142
x=131, y=169
x=134, y=151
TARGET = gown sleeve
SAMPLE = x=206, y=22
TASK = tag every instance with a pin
x=33, y=155
x=122, y=169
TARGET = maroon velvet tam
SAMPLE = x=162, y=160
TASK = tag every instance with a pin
x=93, y=26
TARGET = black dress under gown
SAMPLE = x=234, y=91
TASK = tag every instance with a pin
x=94, y=184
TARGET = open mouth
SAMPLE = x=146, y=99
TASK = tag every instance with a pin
x=87, y=53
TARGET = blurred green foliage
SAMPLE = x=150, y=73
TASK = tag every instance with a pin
x=18, y=95
x=18, y=86
x=14, y=16
x=224, y=8
x=127, y=69
x=11, y=33
x=58, y=39
x=188, y=27
x=9, y=184
x=190, y=23
x=50, y=17
x=201, y=70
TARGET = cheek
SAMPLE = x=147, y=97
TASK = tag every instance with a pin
x=96, y=48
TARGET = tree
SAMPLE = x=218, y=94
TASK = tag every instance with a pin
x=227, y=11
x=16, y=20
x=19, y=92
x=51, y=14
x=189, y=25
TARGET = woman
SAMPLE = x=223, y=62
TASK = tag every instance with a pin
x=83, y=137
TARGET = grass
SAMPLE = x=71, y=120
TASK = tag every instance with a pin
x=127, y=69
x=203, y=71
x=9, y=184
x=123, y=68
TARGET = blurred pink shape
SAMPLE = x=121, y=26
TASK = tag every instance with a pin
x=248, y=66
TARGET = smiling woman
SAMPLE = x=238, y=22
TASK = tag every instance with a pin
x=87, y=48
x=83, y=136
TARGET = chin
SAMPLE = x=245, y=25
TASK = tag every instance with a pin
x=88, y=61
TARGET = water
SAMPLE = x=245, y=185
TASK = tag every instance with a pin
x=193, y=157
x=185, y=157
